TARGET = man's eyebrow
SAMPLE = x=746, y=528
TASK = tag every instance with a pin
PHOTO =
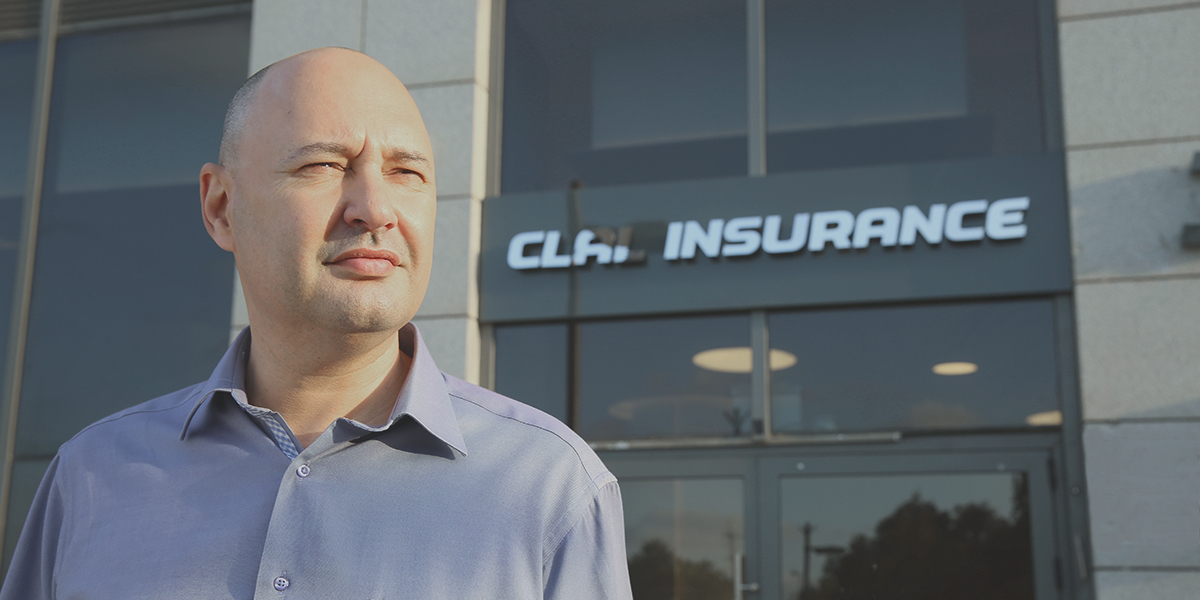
x=402, y=155
x=318, y=148
x=336, y=149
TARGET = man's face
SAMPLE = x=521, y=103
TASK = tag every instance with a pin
x=333, y=198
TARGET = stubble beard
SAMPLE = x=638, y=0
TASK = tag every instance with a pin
x=369, y=311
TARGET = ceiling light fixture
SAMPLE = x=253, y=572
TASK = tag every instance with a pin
x=955, y=368
x=1042, y=419
x=740, y=360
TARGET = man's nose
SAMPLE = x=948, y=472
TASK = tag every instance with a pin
x=367, y=204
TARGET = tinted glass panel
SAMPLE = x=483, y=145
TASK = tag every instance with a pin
x=916, y=537
x=871, y=82
x=915, y=367
x=18, y=61
x=623, y=92
x=531, y=366
x=683, y=536
x=641, y=379
x=131, y=298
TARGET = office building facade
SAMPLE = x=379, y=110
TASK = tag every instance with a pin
x=855, y=298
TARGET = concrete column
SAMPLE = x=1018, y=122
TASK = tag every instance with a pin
x=440, y=50
x=1130, y=75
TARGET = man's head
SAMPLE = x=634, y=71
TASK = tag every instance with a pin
x=236, y=117
x=325, y=195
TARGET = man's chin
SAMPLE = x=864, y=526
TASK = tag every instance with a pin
x=351, y=324
x=358, y=317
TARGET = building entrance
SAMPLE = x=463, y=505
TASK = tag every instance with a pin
x=846, y=523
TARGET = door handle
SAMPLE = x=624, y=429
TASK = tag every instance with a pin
x=740, y=587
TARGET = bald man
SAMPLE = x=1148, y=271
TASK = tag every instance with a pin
x=327, y=457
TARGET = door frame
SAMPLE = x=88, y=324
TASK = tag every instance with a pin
x=706, y=465
x=761, y=466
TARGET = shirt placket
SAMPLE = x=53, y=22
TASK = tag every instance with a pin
x=285, y=569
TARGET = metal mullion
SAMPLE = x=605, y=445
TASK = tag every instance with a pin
x=1077, y=567
x=760, y=376
x=574, y=373
x=1050, y=77
x=491, y=186
x=487, y=356
x=23, y=283
x=756, y=53
x=495, y=87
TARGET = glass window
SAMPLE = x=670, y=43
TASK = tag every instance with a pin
x=532, y=364
x=84, y=11
x=18, y=63
x=872, y=82
x=623, y=92
x=683, y=536
x=659, y=378
x=131, y=298
x=907, y=537
x=963, y=366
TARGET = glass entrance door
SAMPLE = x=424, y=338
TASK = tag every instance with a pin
x=940, y=527
x=785, y=524
x=686, y=528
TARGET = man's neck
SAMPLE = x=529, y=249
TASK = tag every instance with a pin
x=313, y=379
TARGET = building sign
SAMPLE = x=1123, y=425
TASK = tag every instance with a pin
x=946, y=230
x=746, y=236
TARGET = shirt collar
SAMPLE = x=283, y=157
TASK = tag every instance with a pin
x=423, y=396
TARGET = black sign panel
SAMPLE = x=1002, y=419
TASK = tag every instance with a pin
x=976, y=228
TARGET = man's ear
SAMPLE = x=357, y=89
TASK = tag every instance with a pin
x=215, y=187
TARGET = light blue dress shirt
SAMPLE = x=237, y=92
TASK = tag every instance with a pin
x=464, y=494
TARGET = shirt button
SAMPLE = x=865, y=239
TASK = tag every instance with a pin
x=303, y=471
x=282, y=583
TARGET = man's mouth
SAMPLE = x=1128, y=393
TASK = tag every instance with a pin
x=366, y=261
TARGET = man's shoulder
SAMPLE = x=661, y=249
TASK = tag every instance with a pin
x=522, y=427
x=162, y=415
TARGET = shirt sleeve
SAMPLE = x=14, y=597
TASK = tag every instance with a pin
x=31, y=572
x=590, y=561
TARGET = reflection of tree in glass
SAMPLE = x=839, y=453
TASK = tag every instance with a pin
x=922, y=553
x=656, y=574
x=737, y=418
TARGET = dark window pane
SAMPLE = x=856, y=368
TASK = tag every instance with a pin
x=906, y=537
x=142, y=107
x=531, y=366
x=623, y=92
x=871, y=82
x=131, y=298
x=82, y=11
x=18, y=63
x=682, y=536
x=642, y=378
x=960, y=366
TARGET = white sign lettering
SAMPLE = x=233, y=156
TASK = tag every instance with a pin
x=606, y=246
x=744, y=236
